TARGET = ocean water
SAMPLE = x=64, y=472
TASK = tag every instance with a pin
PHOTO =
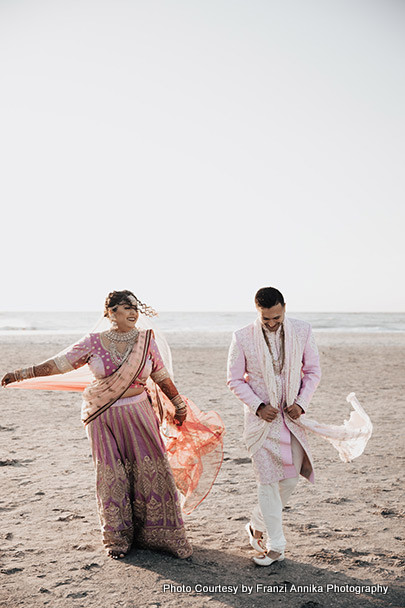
x=72, y=323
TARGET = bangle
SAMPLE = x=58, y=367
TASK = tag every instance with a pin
x=27, y=372
x=24, y=373
x=179, y=404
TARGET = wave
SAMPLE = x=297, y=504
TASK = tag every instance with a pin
x=198, y=322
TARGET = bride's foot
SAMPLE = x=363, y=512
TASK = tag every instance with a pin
x=115, y=554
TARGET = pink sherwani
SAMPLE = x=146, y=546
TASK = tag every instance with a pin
x=273, y=460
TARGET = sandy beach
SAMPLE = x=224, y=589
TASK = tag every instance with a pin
x=345, y=534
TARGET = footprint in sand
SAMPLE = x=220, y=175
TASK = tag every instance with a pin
x=69, y=517
x=11, y=570
x=90, y=566
x=83, y=547
x=352, y=553
x=10, y=507
x=326, y=555
x=242, y=460
x=10, y=463
x=390, y=513
x=361, y=562
x=78, y=595
x=66, y=582
x=336, y=501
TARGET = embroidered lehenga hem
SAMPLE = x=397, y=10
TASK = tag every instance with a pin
x=137, y=499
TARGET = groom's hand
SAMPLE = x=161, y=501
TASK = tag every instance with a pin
x=267, y=412
x=294, y=411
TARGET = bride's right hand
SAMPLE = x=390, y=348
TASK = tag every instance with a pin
x=180, y=418
x=9, y=378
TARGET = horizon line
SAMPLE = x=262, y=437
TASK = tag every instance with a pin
x=212, y=311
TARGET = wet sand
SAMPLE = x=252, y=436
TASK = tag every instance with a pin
x=345, y=534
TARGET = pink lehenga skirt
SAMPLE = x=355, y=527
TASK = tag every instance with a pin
x=137, y=498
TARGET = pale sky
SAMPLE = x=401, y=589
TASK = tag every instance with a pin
x=194, y=151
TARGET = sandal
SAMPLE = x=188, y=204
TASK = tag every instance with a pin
x=256, y=543
x=265, y=560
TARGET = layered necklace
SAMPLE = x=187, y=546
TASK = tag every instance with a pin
x=114, y=337
x=277, y=357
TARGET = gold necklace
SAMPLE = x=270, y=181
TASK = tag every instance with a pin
x=115, y=338
x=127, y=336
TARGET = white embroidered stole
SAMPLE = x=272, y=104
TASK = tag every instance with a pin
x=292, y=362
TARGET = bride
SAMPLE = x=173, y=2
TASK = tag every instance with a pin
x=136, y=491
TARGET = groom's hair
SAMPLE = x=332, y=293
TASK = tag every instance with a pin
x=267, y=297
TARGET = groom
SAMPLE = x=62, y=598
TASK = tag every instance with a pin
x=273, y=368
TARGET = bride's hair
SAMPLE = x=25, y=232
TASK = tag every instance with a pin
x=115, y=298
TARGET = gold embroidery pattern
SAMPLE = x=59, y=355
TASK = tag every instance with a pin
x=113, y=515
x=118, y=540
x=63, y=364
x=155, y=508
x=160, y=375
x=114, y=507
x=158, y=513
x=139, y=509
x=174, y=541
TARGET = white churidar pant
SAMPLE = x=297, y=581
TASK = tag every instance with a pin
x=267, y=514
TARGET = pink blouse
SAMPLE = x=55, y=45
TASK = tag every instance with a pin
x=91, y=350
